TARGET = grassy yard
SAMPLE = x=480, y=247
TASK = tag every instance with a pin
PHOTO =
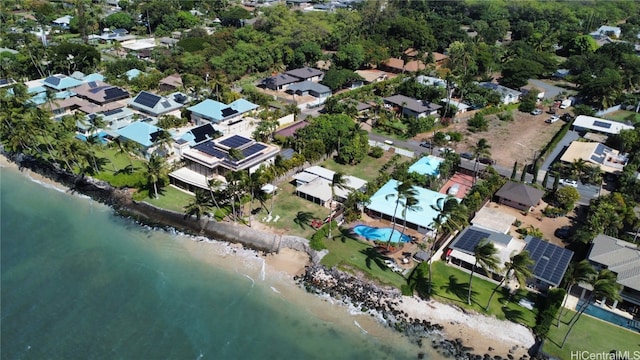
x=450, y=285
x=623, y=115
x=171, y=198
x=592, y=335
x=287, y=205
x=356, y=256
x=111, y=172
x=367, y=169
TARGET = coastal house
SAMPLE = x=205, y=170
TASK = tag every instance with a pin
x=306, y=74
x=607, y=159
x=60, y=82
x=314, y=184
x=412, y=107
x=519, y=196
x=143, y=134
x=585, y=124
x=228, y=119
x=421, y=219
x=170, y=83
x=101, y=93
x=117, y=118
x=195, y=136
x=493, y=219
x=550, y=261
x=623, y=258
x=319, y=92
x=427, y=165
x=214, y=158
x=507, y=95
x=155, y=105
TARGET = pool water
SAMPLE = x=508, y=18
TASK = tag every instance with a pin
x=608, y=316
x=380, y=234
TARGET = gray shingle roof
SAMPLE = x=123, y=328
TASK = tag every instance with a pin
x=304, y=73
x=520, y=193
x=280, y=79
x=412, y=104
x=619, y=256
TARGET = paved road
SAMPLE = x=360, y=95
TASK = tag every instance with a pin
x=559, y=149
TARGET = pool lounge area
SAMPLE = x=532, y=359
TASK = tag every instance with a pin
x=611, y=317
x=380, y=234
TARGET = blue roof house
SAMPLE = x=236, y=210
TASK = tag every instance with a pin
x=155, y=105
x=228, y=119
x=142, y=133
x=61, y=82
x=132, y=74
x=427, y=165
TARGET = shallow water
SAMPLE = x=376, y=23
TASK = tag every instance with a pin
x=79, y=282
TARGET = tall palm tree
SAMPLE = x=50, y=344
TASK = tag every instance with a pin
x=156, y=169
x=605, y=285
x=338, y=181
x=235, y=180
x=410, y=204
x=485, y=255
x=580, y=272
x=480, y=149
x=404, y=190
x=198, y=206
x=214, y=183
x=519, y=268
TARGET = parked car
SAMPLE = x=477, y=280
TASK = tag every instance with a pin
x=487, y=161
x=536, y=112
x=454, y=189
x=466, y=155
x=426, y=144
x=567, y=117
x=569, y=182
x=552, y=119
x=563, y=232
x=442, y=150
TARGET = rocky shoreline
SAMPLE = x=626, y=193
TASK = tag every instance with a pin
x=384, y=303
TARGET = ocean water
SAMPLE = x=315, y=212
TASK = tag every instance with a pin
x=78, y=282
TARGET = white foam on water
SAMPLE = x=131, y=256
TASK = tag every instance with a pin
x=275, y=290
x=360, y=327
x=253, y=282
x=262, y=270
x=46, y=185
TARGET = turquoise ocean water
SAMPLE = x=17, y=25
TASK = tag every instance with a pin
x=78, y=282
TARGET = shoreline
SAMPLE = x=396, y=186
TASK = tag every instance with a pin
x=451, y=331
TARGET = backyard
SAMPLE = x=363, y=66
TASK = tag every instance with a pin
x=623, y=116
x=590, y=335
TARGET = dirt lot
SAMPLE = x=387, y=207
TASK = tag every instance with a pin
x=510, y=140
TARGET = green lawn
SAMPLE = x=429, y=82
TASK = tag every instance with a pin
x=367, y=169
x=287, y=205
x=352, y=256
x=171, y=198
x=450, y=285
x=592, y=335
x=622, y=115
x=115, y=164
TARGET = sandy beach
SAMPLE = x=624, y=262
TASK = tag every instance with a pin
x=483, y=334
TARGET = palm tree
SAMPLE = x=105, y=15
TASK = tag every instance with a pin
x=163, y=142
x=411, y=204
x=198, y=206
x=580, y=272
x=605, y=285
x=485, y=255
x=404, y=190
x=156, y=169
x=519, y=267
x=480, y=149
x=338, y=181
x=234, y=184
x=214, y=183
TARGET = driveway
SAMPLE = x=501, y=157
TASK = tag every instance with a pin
x=550, y=91
x=556, y=153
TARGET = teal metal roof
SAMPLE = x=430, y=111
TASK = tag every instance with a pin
x=427, y=200
x=427, y=165
x=242, y=105
x=61, y=82
x=139, y=132
x=93, y=77
x=133, y=73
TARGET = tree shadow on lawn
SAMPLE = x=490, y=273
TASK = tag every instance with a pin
x=374, y=257
x=459, y=290
x=346, y=234
x=303, y=219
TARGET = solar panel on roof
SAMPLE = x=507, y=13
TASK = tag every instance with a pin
x=235, y=141
x=210, y=149
x=53, y=80
x=602, y=124
x=166, y=104
x=112, y=112
x=4, y=81
x=228, y=112
x=147, y=99
x=253, y=149
x=180, y=98
x=92, y=84
x=114, y=93
x=470, y=239
x=550, y=260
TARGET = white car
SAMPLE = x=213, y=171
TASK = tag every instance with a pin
x=569, y=182
x=552, y=119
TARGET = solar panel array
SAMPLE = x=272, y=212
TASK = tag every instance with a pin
x=92, y=84
x=147, y=99
x=166, y=104
x=114, y=93
x=96, y=90
x=253, y=149
x=53, y=80
x=550, y=261
x=602, y=124
x=469, y=239
x=180, y=98
x=4, y=81
x=236, y=141
x=209, y=148
x=112, y=112
x=228, y=112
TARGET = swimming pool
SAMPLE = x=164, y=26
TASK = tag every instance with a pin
x=608, y=316
x=380, y=234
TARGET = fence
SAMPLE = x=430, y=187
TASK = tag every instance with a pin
x=397, y=150
x=607, y=111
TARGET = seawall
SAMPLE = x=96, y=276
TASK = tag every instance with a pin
x=120, y=200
